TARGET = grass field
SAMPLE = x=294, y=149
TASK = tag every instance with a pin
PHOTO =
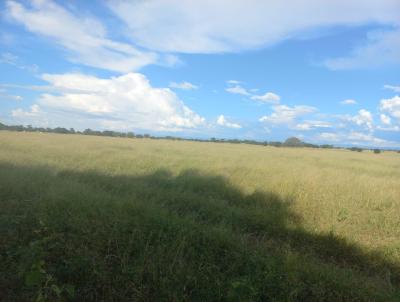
x=112, y=219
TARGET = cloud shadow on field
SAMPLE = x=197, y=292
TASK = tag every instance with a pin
x=165, y=237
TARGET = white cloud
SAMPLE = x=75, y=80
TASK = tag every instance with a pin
x=303, y=126
x=348, y=102
x=173, y=26
x=383, y=48
x=385, y=119
x=223, y=26
x=391, y=87
x=21, y=114
x=237, y=89
x=222, y=121
x=390, y=128
x=85, y=38
x=391, y=107
x=32, y=116
x=286, y=115
x=268, y=97
x=359, y=138
x=183, y=85
x=121, y=103
x=233, y=82
x=311, y=125
x=355, y=138
x=363, y=118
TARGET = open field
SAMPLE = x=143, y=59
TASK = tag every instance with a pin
x=113, y=219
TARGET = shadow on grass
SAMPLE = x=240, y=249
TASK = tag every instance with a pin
x=192, y=237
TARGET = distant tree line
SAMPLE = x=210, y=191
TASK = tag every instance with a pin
x=356, y=149
x=290, y=142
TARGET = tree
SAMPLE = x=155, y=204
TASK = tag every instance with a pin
x=356, y=149
x=130, y=135
x=293, y=142
x=61, y=130
x=275, y=144
x=377, y=151
x=3, y=127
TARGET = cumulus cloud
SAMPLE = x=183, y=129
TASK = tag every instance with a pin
x=33, y=111
x=222, y=121
x=183, y=85
x=286, y=115
x=237, y=89
x=363, y=118
x=348, y=102
x=385, y=119
x=268, y=97
x=34, y=115
x=85, y=38
x=223, y=26
x=391, y=107
x=121, y=103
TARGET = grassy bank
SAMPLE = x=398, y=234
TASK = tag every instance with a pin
x=112, y=219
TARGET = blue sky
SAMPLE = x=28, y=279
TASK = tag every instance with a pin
x=324, y=71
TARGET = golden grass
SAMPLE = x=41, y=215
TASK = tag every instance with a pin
x=351, y=195
x=355, y=195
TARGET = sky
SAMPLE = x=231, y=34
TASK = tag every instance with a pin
x=327, y=72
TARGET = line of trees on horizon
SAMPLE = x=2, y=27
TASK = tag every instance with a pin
x=290, y=142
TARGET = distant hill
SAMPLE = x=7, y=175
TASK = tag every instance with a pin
x=293, y=142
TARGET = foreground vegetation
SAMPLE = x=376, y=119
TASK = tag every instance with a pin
x=110, y=219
